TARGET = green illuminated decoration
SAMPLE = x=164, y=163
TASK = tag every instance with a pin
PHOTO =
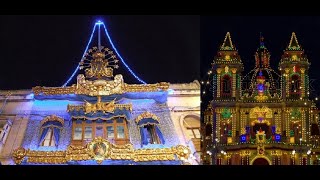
x=226, y=73
x=291, y=133
x=294, y=73
x=230, y=133
x=226, y=113
x=295, y=113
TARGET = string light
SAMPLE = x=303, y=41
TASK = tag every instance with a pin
x=99, y=23
x=78, y=66
x=124, y=63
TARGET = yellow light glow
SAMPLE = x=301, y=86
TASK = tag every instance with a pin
x=294, y=57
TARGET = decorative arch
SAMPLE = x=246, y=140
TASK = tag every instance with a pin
x=149, y=130
x=260, y=118
x=193, y=142
x=295, y=83
x=147, y=118
x=52, y=118
x=181, y=122
x=226, y=85
x=263, y=157
x=50, y=129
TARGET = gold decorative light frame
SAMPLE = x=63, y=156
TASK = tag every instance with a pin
x=52, y=118
x=147, y=115
x=104, y=89
x=257, y=112
x=111, y=151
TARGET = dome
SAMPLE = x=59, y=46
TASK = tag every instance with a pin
x=262, y=76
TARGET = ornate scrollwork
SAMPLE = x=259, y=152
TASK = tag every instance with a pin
x=99, y=106
x=99, y=62
x=101, y=149
x=52, y=118
x=257, y=112
x=100, y=87
x=147, y=115
x=182, y=152
x=19, y=154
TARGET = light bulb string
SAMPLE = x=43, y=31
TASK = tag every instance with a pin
x=124, y=63
x=78, y=66
x=114, y=48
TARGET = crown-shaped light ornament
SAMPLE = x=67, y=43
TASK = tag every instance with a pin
x=99, y=63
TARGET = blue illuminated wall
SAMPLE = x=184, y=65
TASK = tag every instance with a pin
x=45, y=107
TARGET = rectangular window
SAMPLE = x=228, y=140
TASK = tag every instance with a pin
x=77, y=133
x=88, y=133
x=99, y=131
x=110, y=132
x=120, y=132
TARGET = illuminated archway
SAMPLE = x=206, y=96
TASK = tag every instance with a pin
x=260, y=160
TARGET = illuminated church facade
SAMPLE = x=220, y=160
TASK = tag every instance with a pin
x=101, y=120
x=265, y=117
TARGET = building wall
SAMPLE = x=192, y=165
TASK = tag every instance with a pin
x=26, y=114
x=184, y=100
x=15, y=107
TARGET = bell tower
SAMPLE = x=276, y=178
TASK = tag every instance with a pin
x=294, y=68
x=227, y=68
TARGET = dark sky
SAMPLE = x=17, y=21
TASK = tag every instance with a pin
x=44, y=50
x=245, y=33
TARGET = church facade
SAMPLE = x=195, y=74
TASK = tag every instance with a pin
x=265, y=117
x=101, y=120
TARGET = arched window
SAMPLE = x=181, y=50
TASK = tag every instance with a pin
x=149, y=129
x=50, y=130
x=295, y=86
x=192, y=125
x=226, y=86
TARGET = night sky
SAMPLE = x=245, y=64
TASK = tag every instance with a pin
x=245, y=33
x=45, y=50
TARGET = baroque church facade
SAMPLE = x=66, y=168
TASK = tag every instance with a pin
x=265, y=117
